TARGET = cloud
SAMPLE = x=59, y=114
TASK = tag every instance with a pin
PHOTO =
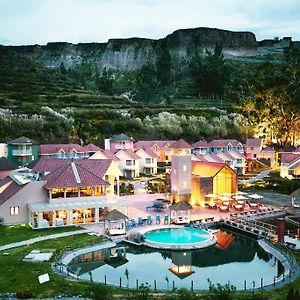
x=41, y=21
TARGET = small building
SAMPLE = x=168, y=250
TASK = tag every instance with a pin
x=148, y=161
x=192, y=180
x=6, y=167
x=71, y=194
x=253, y=147
x=200, y=147
x=119, y=142
x=216, y=146
x=181, y=147
x=290, y=165
x=129, y=163
x=22, y=151
x=161, y=148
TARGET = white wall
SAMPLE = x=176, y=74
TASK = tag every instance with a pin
x=3, y=149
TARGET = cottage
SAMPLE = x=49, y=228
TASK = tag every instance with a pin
x=119, y=142
x=148, y=162
x=290, y=165
x=129, y=163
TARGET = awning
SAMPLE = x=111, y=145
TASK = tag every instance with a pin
x=68, y=205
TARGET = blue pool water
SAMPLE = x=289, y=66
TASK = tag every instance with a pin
x=175, y=236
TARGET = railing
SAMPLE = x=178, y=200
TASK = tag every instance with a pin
x=22, y=152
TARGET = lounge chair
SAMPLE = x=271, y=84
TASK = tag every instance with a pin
x=140, y=221
x=149, y=219
x=166, y=219
x=158, y=219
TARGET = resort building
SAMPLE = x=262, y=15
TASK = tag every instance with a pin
x=119, y=142
x=253, y=147
x=216, y=146
x=22, y=151
x=74, y=192
x=67, y=151
x=192, y=180
x=161, y=148
x=148, y=161
x=129, y=163
x=200, y=147
x=181, y=147
x=290, y=165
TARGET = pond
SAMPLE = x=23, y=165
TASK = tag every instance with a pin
x=234, y=258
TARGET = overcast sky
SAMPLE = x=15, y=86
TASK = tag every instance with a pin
x=41, y=21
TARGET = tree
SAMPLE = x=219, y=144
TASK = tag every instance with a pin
x=104, y=82
x=163, y=65
x=146, y=84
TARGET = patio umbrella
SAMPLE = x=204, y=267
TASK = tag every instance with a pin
x=211, y=196
x=240, y=197
x=226, y=194
x=241, y=193
x=224, y=198
x=255, y=196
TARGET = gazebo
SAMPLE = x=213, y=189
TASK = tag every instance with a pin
x=294, y=195
x=180, y=212
x=115, y=222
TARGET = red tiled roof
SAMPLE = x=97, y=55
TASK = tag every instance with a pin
x=181, y=144
x=46, y=164
x=254, y=142
x=223, y=143
x=65, y=176
x=11, y=189
x=288, y=158
x=150, y=144
x=206, y=169
x=200, y=144
x=6, y=165
x=54, y=148
x=130, y=153
x=97, y=166
x=91, y=148
x=110, y=155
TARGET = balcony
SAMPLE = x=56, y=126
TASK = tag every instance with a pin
x=131, y=167
x=25, y=152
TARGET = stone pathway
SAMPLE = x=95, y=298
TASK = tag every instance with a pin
x=41, y=238
x=258, y=177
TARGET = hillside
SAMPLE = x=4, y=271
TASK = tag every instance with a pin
x=131, y=54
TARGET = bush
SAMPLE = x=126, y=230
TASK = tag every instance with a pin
x=101, y=292
x=24, y=294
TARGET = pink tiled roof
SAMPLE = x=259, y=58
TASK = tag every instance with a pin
x=181, y=144
x=268, y=149
x=54, y=148
x=214, y=157
x=130, y=153
x=110, y=155
x=223, y=143
x=97, y=166
x=201, y=157
x=227, y=155
x=200, y=144
x=237, y=153
x=11, y=189
x=150, y=144
x=254, y=142
x=150, y=152
x=91, y=148
x=65, y=177
x=288, y=158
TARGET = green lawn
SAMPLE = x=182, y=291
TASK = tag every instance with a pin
x=17, y=233
x=17, y=275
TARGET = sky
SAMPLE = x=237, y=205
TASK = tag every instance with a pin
x=24, y=22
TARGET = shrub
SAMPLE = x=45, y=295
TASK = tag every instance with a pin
x=24, y=294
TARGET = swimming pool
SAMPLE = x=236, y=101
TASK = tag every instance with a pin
x=179, y=238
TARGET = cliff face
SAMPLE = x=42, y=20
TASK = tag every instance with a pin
x=132, y=54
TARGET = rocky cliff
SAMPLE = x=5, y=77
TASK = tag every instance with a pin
x=133, y=53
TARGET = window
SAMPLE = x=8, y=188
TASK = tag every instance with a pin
x=14, y=211
x=129, y=163
x=148, y=160
x=251, y=148
x=184, y=168
x=239, y=161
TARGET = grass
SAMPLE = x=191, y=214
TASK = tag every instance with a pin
x=17, y=233
x=17, y=275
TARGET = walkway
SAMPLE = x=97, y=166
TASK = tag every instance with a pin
x=42, y=238
x=258, y=177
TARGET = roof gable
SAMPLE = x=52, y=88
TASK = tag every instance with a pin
x=181, y=144
x=23, y=140
x=207, y=169
x=8, y=188
x=251, y=142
